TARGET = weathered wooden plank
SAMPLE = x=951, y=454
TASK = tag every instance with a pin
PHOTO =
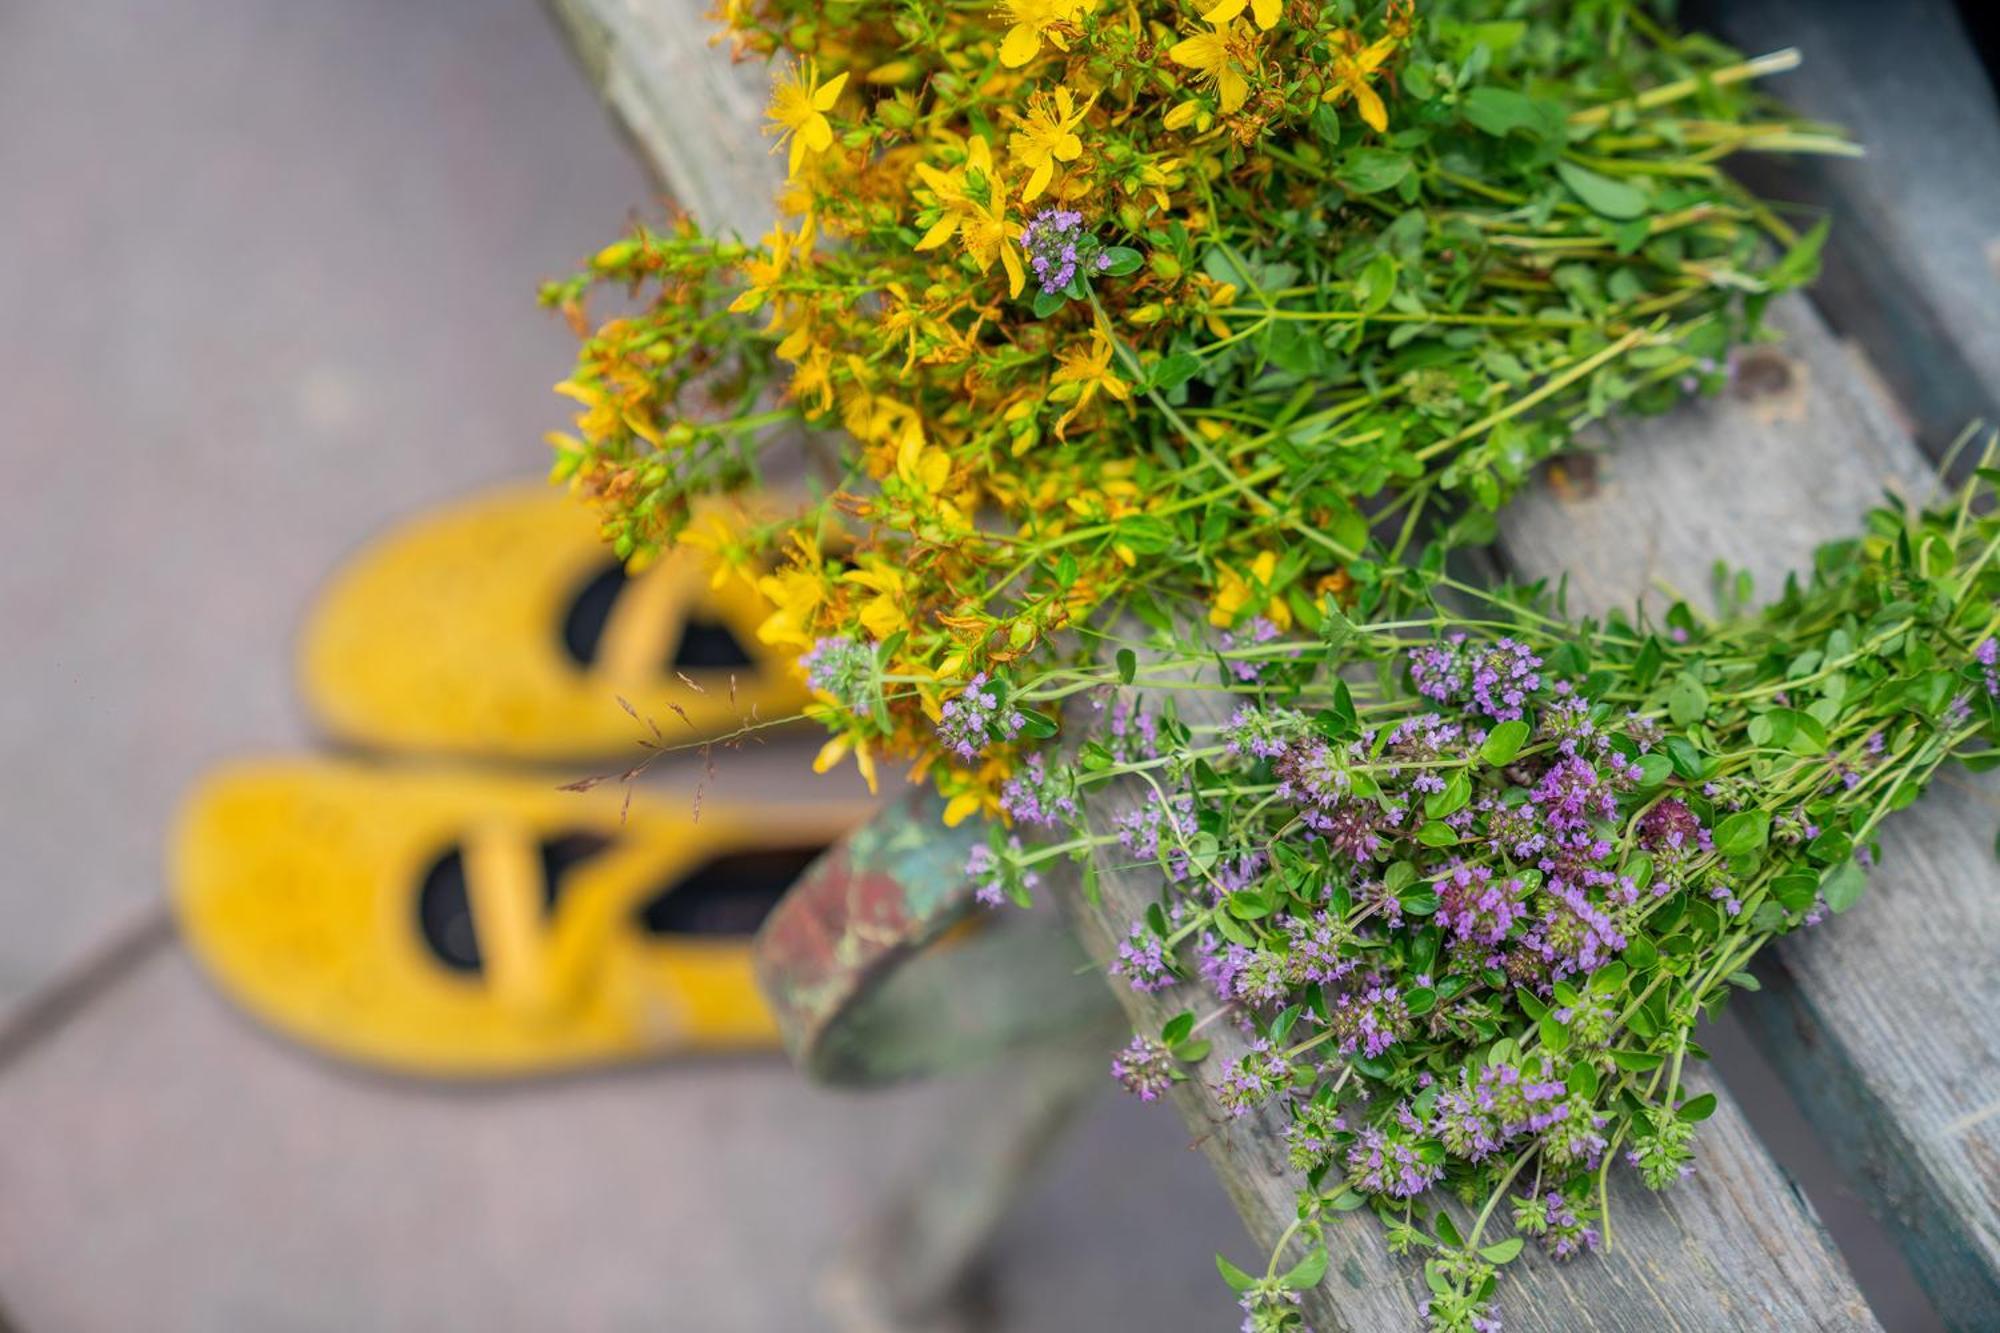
x=1884, y=1021
x=1912, y=268
x=1733, y=1248
x=696, y=115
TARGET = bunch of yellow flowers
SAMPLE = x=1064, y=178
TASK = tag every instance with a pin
x=1136, y=307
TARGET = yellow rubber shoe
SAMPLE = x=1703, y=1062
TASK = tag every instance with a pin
x=456, y=924
x=501, y=627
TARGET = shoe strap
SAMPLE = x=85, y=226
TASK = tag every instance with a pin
x=539, y=964
x=645, y=622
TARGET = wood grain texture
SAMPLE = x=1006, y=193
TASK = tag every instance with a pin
x=1733, y=1248
x=1884, y=1020
x=1912, y=266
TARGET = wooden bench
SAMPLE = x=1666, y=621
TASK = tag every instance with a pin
x=1892, y=1054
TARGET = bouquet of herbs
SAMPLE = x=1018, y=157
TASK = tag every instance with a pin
x=1166, y=309
x=1470, y=878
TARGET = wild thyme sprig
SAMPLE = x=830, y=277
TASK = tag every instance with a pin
x=1469, y=881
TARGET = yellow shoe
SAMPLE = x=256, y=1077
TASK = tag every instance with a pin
x=456, y=924
x=502, y=627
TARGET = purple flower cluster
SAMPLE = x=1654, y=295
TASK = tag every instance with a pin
x=1369, y=1020
x=1144, y=1067
x=1389, y=1159
x=970, y=720
x=1144, y=831
x=1261, y=733
x=1493, y=679
x=1672, y=835
x=1143, y=962
x=1564, y=1228
x=1263, y=1071
x=1058, y=245
x=994, y=877
x=841, y=669
x=1040, y=794
x=1259, y=630
x=1987, y=654
x=1475, y=908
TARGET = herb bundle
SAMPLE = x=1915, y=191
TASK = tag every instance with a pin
x=1470, y=879
x=1148, y=308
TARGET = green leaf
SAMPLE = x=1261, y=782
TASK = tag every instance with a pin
x=1687, y=701
x=1638, y=1062
x=1745, y=831
x=1190, y=1052
x=1123, y=259
x=1177, y=1028
x=1452, y=799
x=1435, y=834
x=1175, y=371
x=1502, y=1252
x=1698, y=1108
x=1448, y=1230
x=1128, y=665
x=1420, y=1001
x=1307, y=1272
x=1504, y=742
x=1800, y=264
x=1376, y=284
x=1047, y=303
x=1843, y=885
x=1654, y=769
x=1038, y=725
x=1237, y=1279
x=1501, y=111
x=1373, y=170
x=1601, y=194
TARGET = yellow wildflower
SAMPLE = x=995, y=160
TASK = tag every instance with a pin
x=764, y=271
x=836, y=750
x=987, y=236
x=1212, y=56
x=1234, y=592
x=888, y=610
x=1034, y=20
x=795, y=593
x=1047, y=136
x=1091, y=371
x=1266, y=12
x=799, y=104
x=1353, y=66
x=961, y=192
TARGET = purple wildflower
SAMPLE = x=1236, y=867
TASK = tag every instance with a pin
x=1260, y=732
x=1389, y=1158
x=841, y=669
x=1057, y=244
x=968, y=721
x=1144, y=1067
x=1261, y=1072
x=1038, y=794
x=1143, y=962
x=1476, y=909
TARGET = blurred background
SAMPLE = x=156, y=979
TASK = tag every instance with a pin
x=267, y=278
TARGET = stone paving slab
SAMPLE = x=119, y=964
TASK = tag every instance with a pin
x=267, y=277
x=165, y=1165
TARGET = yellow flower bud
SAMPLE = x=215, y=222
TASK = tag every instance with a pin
x=1164, y=265
x=1182, y=115
x=1150, y=313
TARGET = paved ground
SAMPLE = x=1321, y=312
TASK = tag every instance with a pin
x=266, y=277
